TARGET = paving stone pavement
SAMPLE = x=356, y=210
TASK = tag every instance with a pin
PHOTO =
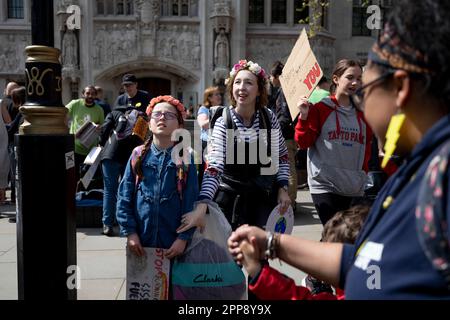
x=102, y=259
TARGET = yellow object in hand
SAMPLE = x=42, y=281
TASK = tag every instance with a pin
x=392, y=136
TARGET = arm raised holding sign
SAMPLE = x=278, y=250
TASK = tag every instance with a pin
x=303, y=106
x=308, y=125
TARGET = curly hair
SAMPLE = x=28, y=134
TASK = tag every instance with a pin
x=345, y=225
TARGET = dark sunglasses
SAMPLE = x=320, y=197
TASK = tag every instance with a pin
x=360, y=94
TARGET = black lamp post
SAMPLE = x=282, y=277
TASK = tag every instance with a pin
x=46, y=222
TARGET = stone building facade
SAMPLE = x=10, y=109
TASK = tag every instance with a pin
x=176, y=47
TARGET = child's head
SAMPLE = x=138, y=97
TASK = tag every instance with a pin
x=347, y=77
x=166, y=115
x=254, y=81
x=345, y=225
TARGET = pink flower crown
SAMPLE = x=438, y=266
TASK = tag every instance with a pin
x=251, y=66
x=169, y=99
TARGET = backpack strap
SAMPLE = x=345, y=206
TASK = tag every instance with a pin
x=266, y=124
x=431, y=211
x=134, y=157
x=228, y=119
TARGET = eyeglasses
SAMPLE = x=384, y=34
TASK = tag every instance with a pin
x=360, y=95
x=167, y=115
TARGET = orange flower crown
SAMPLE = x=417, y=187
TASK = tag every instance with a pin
x=172, y=101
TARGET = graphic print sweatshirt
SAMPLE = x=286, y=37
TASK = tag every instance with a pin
x=338, y=140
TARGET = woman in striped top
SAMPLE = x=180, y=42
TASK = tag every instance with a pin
x=247, y=174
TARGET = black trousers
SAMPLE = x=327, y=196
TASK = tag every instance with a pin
x=251, y=208
x=327, y=204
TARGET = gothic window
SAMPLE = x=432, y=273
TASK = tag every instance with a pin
x=256, y=11
x=115, y=7
x=129, y=7
x=185, y=8
x=324, y=13
x=100, y=7
x=179, y=8
x=109, y=7
x=175, y=8
x=301, y=12
x=15, y=9
x=119, y=7
x=279, y=11
x=360, y=17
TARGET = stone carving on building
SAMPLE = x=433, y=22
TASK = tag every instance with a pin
x=12, y=52
x=221, y=50
x=221, y=8
x=149, y=11
x=180, y=44
x=221, y=17
x=114, y=44
x=62, y=5
x=70, y=50
x=262, y=49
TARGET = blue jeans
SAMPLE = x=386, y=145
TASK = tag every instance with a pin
x=112, y=171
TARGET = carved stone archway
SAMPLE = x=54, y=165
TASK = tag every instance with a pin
x=144, y=66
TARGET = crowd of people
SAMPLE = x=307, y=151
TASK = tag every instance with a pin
x=399, y=100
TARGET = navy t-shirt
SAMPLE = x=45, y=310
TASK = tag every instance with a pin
x=140, y=101
x=387, y=261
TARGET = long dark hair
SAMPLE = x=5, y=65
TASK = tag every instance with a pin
x=340, y=68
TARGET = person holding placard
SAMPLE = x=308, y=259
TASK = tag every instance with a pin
x=158, y=187
x=338, y=140
x=402, y=251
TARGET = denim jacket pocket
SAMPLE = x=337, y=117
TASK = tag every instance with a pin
x=145, y=193
x=169, y=197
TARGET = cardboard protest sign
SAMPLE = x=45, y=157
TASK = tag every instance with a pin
x=301, y=73
x=148, y=276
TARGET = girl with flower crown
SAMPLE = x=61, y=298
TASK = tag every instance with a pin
x=402, y=251
x=244, y=191
x=157, y=189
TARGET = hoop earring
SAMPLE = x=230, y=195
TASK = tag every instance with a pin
x=392, y=136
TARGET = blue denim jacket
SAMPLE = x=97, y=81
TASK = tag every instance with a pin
x=153, y=208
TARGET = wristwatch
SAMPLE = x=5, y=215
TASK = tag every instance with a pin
x=286, y=188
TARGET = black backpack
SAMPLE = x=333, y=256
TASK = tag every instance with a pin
x=132, y=122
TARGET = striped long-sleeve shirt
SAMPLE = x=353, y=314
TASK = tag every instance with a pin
x=219, y=151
